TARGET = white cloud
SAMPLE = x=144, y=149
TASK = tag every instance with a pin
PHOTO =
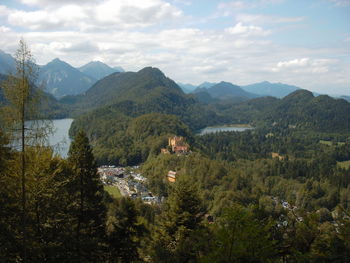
x=132, y=34
x=4, y=11
x=239, y=4
x=305, y=65
x=4, y=29
x=105, y=15
x=210, y=69
x=240, y=29
x=267, y=19
x=54, y=3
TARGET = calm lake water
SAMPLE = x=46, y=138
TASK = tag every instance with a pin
x=223, y=129
x=59, y=138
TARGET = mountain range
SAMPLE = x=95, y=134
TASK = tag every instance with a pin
x=265, y=88
x=108, y=107
x=149, y=91
x=61, y=79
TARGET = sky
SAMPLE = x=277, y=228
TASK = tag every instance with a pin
x=299, y=42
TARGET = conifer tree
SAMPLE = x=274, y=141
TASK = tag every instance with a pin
x=124, y=231
x=175, y=236
x=87, y=208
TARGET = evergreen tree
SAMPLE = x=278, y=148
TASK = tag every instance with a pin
x=87, y=208
x=124, y=231
x=239, y=236
x=179, y=225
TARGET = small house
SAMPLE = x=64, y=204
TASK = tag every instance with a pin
x=171, y=176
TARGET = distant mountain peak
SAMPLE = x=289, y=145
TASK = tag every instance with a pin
x=60, y=63
x=57, y=60
x=62, y=79
x=98, y=70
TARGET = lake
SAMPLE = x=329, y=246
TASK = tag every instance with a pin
x=224, y=129
x=59, y=138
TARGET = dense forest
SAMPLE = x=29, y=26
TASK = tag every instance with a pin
x=277, y=193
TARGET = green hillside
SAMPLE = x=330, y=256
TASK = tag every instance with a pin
x=114, y=102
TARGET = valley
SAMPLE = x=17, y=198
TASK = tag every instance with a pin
x=145, y=161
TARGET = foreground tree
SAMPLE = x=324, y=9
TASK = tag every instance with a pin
x=124, y=231
x=21, y=105
x=240, y=236
x=86, y=207
x=175, y=238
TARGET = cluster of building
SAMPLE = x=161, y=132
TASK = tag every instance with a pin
x=110, y=173
x=177, y=145
x=129, y=182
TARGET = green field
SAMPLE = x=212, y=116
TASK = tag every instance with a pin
x=113, y=191
x=345, y=164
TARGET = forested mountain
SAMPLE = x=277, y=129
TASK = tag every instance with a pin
x=120, y=97
x=226, y=90
x=204, y=97
x=98, y=70
x=266, y=88
x=7, y=63
x=302, y=108
x=298, y=109
x=132, y=86
x=60, y=79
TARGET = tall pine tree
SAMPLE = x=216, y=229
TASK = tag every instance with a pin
x=87, y=208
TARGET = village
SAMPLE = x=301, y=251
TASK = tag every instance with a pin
x=130, y=182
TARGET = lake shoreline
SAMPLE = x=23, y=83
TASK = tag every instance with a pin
x=225, y=128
